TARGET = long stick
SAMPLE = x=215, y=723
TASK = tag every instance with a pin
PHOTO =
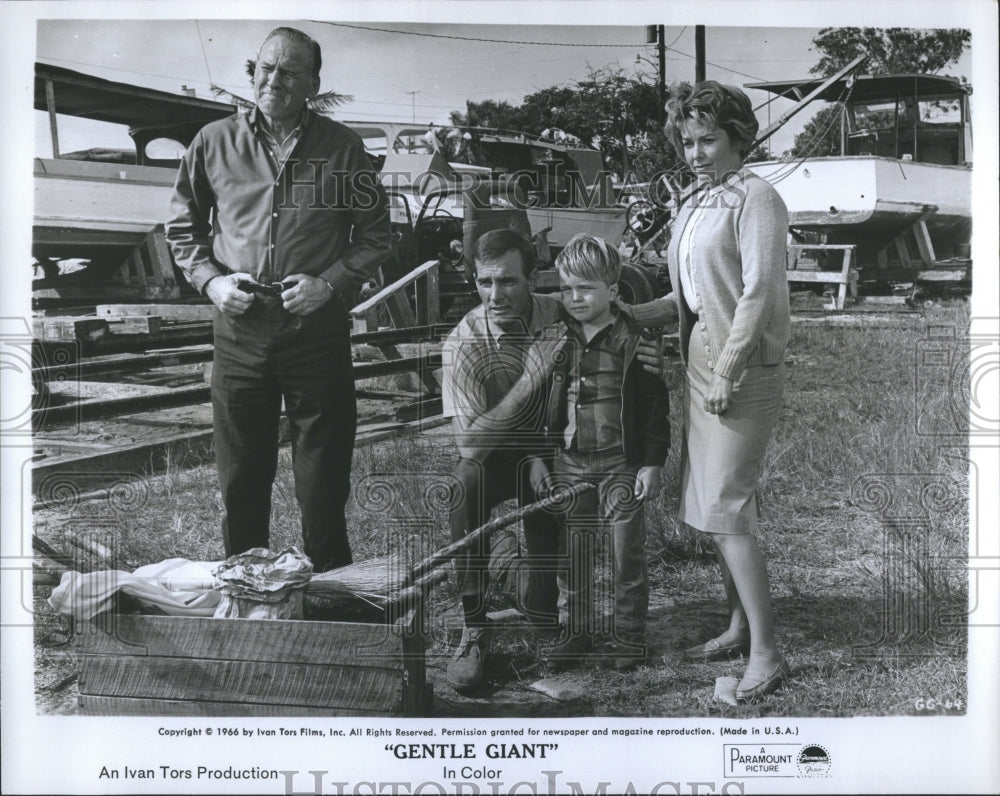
x=438, y=557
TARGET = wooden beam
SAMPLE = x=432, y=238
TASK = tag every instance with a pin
x=259, y=640
x=924, y=244
x=817, y=277
x=50, y=102
x=167, y=312
x=388, y=290
x=132, y=706
x=783, y=119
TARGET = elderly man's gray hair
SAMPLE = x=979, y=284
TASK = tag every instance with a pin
x=294, y=34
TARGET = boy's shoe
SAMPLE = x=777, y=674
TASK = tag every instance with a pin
x=568, y=651
x=467, y=668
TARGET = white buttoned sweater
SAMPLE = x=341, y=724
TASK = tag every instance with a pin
x=739, y=250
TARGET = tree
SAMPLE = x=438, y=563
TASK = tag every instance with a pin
x=611, y=110
x=488, y=113
x=889, y=51
x=821, y=135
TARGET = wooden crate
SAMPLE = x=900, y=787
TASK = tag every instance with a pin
x=132, y=664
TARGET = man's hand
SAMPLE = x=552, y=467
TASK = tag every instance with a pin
x=650, y=354
x=647, y=483
x=719, y=395
x=225, y=295
x=307, y=294
x=539, y=477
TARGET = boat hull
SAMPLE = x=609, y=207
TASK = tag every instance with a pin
x=93, y=210
x=565, y=222
x=868, y=200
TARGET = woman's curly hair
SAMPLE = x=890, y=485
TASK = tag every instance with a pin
x=715, y=104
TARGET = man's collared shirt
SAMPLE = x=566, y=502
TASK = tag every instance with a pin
x=480, y=364
x=594, y=392
x=279, y=150
x=237, y=207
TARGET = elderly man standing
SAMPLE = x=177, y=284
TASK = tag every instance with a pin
x=281, y=195
x=496, y=411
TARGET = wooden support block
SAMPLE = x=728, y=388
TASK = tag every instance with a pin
x=846, y=278
x=148, y=272
x=66, y=330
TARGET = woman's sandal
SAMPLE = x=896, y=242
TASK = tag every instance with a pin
x=752, y=687
x=712, y=650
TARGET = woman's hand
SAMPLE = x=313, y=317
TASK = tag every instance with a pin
x=719, y=395
x=647, y=483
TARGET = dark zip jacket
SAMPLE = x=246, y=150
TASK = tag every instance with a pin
x=645, y=407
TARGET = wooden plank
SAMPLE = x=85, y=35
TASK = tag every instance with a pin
x=943, y=275
x=821, y=246
x=103, y=291
x=267, y=683
x=428, y=298
x=113, y=407
x=835, y=277
x=120, y=706
x=50, y=103
x=852, y=277
x=391, y=367
x=140, y=324
x=244, y=639
x=389, y=290
x=902, y=252
x=924, y=244
x=417, y=693
x=166, y=312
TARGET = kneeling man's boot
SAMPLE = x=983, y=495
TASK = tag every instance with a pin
x=467, y=668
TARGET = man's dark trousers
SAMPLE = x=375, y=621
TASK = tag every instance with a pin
x=480, y=487
x=261, y=356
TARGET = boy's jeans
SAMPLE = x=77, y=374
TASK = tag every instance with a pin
x=609, y=519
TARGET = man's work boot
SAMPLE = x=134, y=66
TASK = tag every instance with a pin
x=568, y=650
x=630, y=652
x=467, y=668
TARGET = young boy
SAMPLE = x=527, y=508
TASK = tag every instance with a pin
x=608, y=419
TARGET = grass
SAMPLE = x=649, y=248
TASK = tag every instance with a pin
x=864, y=527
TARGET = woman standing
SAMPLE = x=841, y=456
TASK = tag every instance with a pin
x=730, y=297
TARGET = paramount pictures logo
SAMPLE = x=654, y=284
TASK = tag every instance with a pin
x=776, y=760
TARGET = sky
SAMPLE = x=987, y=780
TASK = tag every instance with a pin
x=400, y=71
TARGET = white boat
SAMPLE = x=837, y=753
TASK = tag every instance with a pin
x=905, y=159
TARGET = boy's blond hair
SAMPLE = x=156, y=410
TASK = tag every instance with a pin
x=587, y=256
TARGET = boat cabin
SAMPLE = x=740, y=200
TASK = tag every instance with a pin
x=162, y=124
x=923, y=118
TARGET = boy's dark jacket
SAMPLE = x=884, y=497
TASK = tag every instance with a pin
x=645, y=403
